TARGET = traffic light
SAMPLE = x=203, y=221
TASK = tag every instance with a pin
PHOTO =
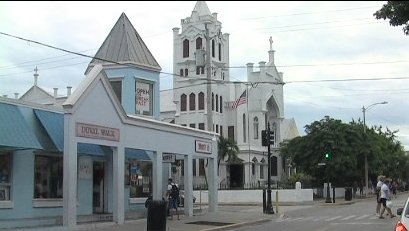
x=327, y=156
x=271, y=138
x=264, y=138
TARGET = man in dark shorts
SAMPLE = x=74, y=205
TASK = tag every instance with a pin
x=173, y=197
x=385, y=196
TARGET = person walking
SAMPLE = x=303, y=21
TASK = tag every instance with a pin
x=378, y=193
x=173, y=197
x=361, y=189
x=385, y=196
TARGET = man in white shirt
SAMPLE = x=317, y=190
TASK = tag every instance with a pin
x=385, y=196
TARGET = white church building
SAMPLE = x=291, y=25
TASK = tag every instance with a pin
x=189, y=100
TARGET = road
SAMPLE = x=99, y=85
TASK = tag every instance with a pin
x=357, y=216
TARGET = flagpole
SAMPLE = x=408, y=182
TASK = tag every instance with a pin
x=248, y=127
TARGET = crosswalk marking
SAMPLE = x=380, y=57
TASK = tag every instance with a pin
x=333, y=218
x=348, y=217
x=321, y=218
x=329, y=218
x=362, y=217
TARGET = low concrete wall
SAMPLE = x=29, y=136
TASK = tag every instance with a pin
x=285, y=196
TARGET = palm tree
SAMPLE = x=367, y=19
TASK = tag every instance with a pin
x=227, y=149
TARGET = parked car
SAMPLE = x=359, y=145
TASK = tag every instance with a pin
x=182, y=198
x=403, y=223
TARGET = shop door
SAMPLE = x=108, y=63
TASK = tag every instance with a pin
x=98, y=187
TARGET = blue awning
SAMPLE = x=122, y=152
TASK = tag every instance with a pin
x=93, y=149
x=14, y=130
x=53, y=123
x=136, y=154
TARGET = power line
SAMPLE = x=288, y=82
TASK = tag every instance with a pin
x=305, y=13
x=299, y=81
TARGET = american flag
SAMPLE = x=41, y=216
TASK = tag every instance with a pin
x=241, y=100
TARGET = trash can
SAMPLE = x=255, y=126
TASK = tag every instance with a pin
x=156, y=220
x=348, y=193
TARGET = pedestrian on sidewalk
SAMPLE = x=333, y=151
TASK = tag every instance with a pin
x=173, y=197
x=361, y=188
x=385, y=196
x=378, y=193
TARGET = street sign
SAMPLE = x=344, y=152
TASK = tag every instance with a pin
x=168, y=158
x=321, y=164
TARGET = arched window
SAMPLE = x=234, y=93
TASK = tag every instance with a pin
x=244, y=128
x=186, y=72
x=192, y=102
x=183, y=102
x=185, y=48
x=198, y=43
x=212, y=102
x=201, y=101
x=255, y=125
x=213, y=49
x=220, y=52
x=181, y=72
x=217, y=103
x=221, y=104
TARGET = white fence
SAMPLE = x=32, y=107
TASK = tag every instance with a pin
x=285, y=196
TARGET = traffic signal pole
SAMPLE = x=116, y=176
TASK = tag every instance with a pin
x=269, y=207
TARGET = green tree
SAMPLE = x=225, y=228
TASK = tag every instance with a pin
x=348, y=144
x=228, y=150
x=397, y=12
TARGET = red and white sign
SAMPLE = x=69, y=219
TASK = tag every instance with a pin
x=203, y=147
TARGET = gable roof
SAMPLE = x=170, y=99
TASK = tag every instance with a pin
x=201, y=8
x=124, y=45
x=38, y=94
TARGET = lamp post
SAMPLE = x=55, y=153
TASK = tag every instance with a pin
x=364, y=109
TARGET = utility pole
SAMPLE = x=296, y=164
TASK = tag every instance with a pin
x=209, y=86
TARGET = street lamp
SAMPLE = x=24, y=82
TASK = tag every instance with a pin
x=364, y=109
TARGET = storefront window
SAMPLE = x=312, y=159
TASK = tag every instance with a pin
x=5, y=175
x=138, y=175
x=48, y=176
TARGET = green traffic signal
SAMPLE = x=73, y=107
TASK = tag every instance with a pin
x=327, y=156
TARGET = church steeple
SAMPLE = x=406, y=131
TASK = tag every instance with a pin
x=201, y=8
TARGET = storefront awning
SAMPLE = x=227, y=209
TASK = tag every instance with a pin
x=93, y=149
x=136, y=154
x=14, y=130
x=53, y=123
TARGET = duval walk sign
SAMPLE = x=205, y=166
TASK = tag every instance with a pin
x=97, y=132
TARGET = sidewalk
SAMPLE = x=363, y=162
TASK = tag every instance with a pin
x=227, y=216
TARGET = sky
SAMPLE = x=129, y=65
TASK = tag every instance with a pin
x=336, y=57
